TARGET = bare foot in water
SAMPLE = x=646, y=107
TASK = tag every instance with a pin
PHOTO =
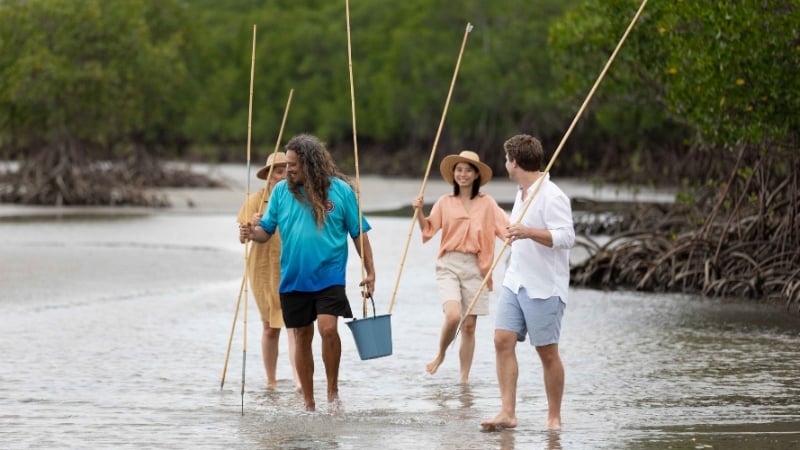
x=335, y=407
x=499, y=423
x=554, y=424
x=309, y=407
x=433, y=366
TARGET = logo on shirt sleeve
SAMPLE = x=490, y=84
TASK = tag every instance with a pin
x=329, y=207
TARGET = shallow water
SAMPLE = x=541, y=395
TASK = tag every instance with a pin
x=114, y=334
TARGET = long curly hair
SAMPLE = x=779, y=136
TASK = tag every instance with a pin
x=318, y=168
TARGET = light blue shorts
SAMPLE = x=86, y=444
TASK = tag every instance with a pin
x=539, y=318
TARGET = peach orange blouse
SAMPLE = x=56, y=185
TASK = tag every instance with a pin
x=472, y=231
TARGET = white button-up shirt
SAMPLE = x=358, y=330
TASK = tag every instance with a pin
x=543, y=271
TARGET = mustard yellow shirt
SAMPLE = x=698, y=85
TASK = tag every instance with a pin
x=264, y=264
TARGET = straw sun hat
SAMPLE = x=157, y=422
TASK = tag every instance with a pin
x=278, y=158
x=448, y=165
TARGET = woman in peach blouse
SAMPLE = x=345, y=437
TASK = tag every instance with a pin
x=470, y=221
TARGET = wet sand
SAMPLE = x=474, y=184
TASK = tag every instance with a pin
x=115, y=325
x=376, y=193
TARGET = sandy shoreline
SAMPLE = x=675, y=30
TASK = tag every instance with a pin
x=377, y=194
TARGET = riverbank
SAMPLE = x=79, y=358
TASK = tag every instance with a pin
x=378, y=194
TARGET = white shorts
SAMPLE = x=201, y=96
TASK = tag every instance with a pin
x=458, y=278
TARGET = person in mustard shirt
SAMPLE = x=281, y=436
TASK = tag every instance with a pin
x=264, y=273
x=470, y=221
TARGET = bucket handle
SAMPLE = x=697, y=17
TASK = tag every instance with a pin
x=374, y=312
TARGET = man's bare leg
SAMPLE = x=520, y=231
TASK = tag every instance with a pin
x=553, y=371
x=505, y=344
x=304, y=362
x=452, y=317
x=269, y=352
x=331, y=353
x=467, y=350
x=290, y=335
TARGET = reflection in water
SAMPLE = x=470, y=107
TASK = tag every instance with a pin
x=466, y=397
x=115, y=333
x=553, y=440
x=507, y=439
x=453, y=396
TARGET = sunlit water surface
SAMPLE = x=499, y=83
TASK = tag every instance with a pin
x=113, y=334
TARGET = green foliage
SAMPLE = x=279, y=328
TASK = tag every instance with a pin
x=92, y=72
x=163, y=74
x=404, y=55
x=726, y=69
x=626, y=115
x=743, y=87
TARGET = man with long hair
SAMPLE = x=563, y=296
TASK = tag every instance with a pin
x=315, y=209
x=264, y=273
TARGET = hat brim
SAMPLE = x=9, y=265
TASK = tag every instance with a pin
x=449, y=163
x=262, y=172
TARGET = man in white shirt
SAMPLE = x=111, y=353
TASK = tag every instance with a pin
x=536, y=282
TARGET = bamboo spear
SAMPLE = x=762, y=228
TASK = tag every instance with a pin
x=249, y=244
x=539, y=181
x=233, y=326
x=267, y=189
x=430, y=162
x=355, y=154
x=247, y=206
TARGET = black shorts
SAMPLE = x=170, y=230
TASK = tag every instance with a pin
x=301, y=308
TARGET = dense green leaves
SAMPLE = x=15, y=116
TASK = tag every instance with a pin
x=94, y=73
x=727, y=72
x=404, y=56
x=164, y=75
x=726, y=69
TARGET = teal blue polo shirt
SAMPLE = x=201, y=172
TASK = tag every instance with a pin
x=313, y=258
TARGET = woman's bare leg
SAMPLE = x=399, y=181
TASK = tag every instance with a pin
x=452, y=317
x=467, y=349
x=269, y=351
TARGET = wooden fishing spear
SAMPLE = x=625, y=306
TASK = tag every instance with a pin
x=430, y=162
x=249, y=244
x=247, y=206
x=243, y=287
x=267, y=190
x=364, y=290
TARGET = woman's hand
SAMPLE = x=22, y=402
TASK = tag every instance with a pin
x=245, y=232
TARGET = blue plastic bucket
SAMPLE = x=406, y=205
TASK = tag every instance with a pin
x=373, y=336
